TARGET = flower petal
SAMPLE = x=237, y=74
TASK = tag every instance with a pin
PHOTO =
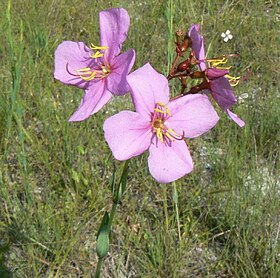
x=120, y=67
x=235, y=118
x=128, y=134
x=114, y=26
x=213, y=73
x=222, y=92
x=198, y=45
x=95, y=97
x=147, y=88
x=192, y=115
x=169, y=163
x=69, y=57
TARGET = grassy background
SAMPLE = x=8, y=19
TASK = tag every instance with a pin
x=55, y=175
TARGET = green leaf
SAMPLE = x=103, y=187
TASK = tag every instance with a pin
x=103, y=243
x=104, y=223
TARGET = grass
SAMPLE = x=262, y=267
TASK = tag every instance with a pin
x=55, y=175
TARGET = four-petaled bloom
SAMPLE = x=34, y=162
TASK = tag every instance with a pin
x=100, y=70
x=227, y=36
x=159, y=124
x=220, y=86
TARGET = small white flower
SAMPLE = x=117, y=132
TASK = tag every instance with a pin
x=227, y=36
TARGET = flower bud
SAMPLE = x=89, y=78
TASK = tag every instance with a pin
x=184, y=65
x=202, y=86
x=197, y=74
x=179, y=36
x=186, y=43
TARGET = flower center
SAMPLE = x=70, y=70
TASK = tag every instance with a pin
x=101, y=71
x=162, y=132
x=158, y=123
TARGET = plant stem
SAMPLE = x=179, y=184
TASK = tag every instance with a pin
x=98, y=267
x=175, y=200
x=117, y=195
x=112, y=214
x=173, y=66
x=165, y=206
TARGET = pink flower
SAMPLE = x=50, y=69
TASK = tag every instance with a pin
x=159, y=125
x=220, y=87
x=100, y=70
x=222, y=92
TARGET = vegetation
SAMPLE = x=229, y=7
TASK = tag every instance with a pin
x=55, y=175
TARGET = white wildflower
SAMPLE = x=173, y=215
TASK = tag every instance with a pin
x=226, y=36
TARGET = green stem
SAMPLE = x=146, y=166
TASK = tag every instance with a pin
x=175, y=200
x=117, y=194
x=98, y=267
x=165, y=206
x=112, y=214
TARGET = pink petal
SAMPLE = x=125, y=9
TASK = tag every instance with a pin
x=235, y=118
x=192, y=115
x=128, y=134
x=95, y=97
x=213, y=73
x=69, y=57
x=198, y=45
x=147, y=88
x=120, y=67
x=222, y=92
x=169, y=163
x=114, y=26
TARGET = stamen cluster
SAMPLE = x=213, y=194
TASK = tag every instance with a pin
x=101, y=68
x=165, y=134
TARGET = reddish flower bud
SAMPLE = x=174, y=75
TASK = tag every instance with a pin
x=179, y=36
x=202, y=86
x=197, y=74
x=183, y=66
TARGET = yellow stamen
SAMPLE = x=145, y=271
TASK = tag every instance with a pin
x=159, y=134
x=165, y=111
x=163, y=133
x=217, y=61
x=83, y=69
x=96, y=55
x=169, y=136
x=159, y=111
x=88, y=78
x=173, y=132
x=233, y=80
x=224, y=68
x=95, y=47
x=161, y=104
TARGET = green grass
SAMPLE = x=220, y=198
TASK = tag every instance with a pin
x=55, y=175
